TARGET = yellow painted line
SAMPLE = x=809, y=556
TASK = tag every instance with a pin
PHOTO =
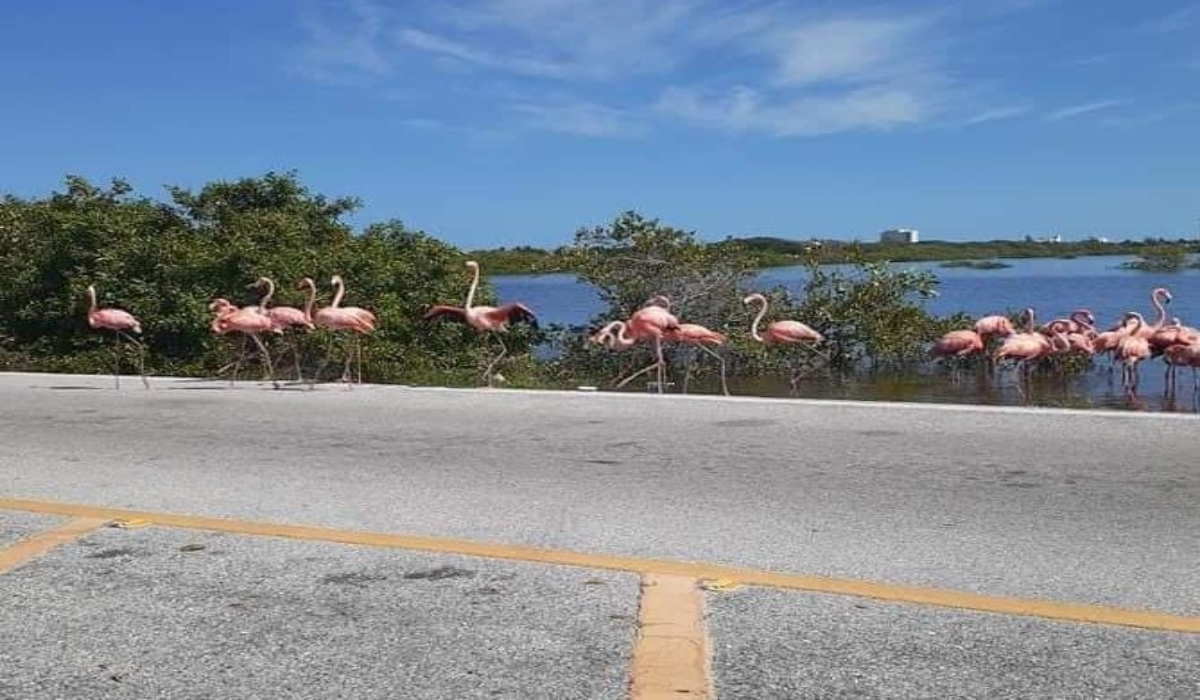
x=17, y=554
x=671, y=652
x=727, y=575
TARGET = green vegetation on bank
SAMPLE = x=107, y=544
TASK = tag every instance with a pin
x=776, y=252
x=164, y=260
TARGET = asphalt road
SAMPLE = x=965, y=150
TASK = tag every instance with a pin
x=1068, y=506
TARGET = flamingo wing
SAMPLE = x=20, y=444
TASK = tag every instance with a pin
x=517, y=312
x=453, y=313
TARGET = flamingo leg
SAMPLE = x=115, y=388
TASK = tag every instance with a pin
x=721, y=362
x=268, y=367
x=358, y=354
x=141, y=348
x=117, y=359
x=324, y=362
x=657, y=364
x=489, y=373
x=296, y=359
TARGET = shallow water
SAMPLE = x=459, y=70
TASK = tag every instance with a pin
x=1053, y=287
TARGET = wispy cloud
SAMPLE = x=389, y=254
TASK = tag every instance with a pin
x=1177, y=20
x=996, y=114
x=342, y=47
x=745, y=109
x=1080, y=109
x=616, y=66
x=580, y=118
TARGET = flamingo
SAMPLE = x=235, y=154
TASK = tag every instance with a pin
x=701, y=338
x=492, y=320
x=1183, y=355
x=652, y=322
x=994, y=326
x=284, y=317
x=251, y=322
x=782, y=332
x=1078, y=321
x=958, y=344
x=121, y=323
x=1025, y=347
x=1132, y=349
x=336, y=317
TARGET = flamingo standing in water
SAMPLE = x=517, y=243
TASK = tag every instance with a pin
x=336, y=317
x=284, y=317
x=121, y=323
x=251, y=322
x=492, y=320
x=958, y=344
x=782, y=332
x=994, y=326
x=1132, y=349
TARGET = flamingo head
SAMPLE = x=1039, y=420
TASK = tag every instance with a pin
x=336, y=280
x=754, y=297
x=1163, y=294
x=659, y=300
x=604, y=336
x=219, y=304
x=306, y=283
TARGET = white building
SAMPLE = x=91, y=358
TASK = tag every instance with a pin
x=899, y=235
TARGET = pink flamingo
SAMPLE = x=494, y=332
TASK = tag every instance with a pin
x=782, y=332
x=492, y=320
x=1078, y=321
x=251, y=322
x=284, y=317
x=651, y=323
x=121, y=323
x=1026, y=347
x=958, y=344
x=1132, y=349
x=336, y=317
x=1080, y=341
x=701, y=338
x=1183, y=355
x=994, y=326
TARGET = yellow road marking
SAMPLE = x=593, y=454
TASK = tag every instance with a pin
x=728, y=575
x=30, y=547
x=671, y=652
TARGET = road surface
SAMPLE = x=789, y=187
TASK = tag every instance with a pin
x=959, y=522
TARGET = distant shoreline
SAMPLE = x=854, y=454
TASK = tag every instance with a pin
x=774, y=252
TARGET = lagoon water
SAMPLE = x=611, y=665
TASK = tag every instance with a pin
x=1053, y=287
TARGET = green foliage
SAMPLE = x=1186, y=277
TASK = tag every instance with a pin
x=164, y=262
x=871, y=314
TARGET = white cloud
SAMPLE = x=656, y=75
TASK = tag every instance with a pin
x=996, y=114
x=767, y=66
x=851, y=50
x=1086, y=108
x=745, y=109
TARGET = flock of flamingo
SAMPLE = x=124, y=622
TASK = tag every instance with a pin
x=1129, y=342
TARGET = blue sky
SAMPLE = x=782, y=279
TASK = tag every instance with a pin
x=502, y=122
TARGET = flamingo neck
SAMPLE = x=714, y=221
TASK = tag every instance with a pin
x=311, y=301
x=341, y=291
x=1162, y=310
x=623, y=340
x=758, y=319
x=266, y=298
x=1028, y=320
x=471, y=291
x=91, y=299
x=1080, y=318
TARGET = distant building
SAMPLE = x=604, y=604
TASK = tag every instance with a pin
x=898, y=235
